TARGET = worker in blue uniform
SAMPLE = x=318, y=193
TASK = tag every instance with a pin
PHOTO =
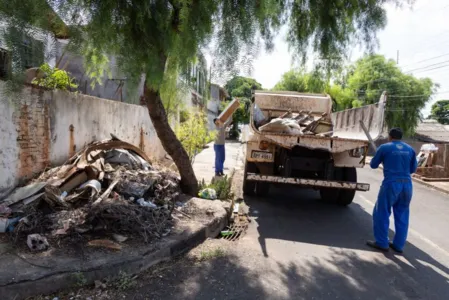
x=399, y=162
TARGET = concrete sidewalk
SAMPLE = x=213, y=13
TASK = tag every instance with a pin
x=204, y=163
x=440, y=186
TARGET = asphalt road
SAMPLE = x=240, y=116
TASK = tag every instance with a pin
x=300, y=248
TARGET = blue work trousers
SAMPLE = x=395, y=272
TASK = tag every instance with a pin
x=219, y=158
x=395, y=194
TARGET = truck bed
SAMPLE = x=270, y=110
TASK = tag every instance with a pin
x=346, y=134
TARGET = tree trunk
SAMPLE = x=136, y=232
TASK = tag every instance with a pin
x=170, y=142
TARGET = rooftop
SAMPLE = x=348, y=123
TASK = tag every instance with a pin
x=432, y=131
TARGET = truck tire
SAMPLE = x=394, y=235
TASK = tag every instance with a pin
x=329, y=195
x=345, y=197
x=249, y=187
x=262, y=189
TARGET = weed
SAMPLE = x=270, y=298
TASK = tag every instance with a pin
x=124, y=281
x=221, y=185
x=79, y=279
x=210, y=254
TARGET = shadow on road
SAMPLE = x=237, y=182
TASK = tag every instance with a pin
x=300, y=216
x=216, y=278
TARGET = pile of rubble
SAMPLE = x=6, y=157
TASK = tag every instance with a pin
x=107, y=189
x=300, y=123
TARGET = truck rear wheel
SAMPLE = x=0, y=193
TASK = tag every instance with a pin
x=249, y=187
x=329, y=195
x=345, y=197
x=341, y=197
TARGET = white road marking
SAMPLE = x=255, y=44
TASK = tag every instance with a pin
x=413, y=232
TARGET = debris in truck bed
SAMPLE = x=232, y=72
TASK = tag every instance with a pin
x=110, y=188
x=300, y=123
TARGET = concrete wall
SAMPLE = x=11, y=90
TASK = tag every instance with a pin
x=44, y=128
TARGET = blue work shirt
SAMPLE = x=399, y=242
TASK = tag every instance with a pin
x=398, y=159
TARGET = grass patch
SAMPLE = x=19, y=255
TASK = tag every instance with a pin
x=124, y=281
x=79, y=279
x=211, y=254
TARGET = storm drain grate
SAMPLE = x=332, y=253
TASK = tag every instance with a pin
x=236, y=230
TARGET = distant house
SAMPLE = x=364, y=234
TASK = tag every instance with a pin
x=430, y=131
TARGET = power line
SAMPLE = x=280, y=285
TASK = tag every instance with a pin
x=414, y=96
x=425, y=67
x=432, y=58
x=433, y=68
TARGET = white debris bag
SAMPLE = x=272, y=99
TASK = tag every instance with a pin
x=429, y=148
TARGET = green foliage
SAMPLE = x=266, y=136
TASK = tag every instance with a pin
x=300, y=81
x=440, y=111
x=194, y=135
x=79, y=280
x=54, y=78
x=211, y=254
x=407, y=95
x=363, y=82
x=240, y=86
x=343, y=98
x=164, y=36
x=221, y=185
x=96, y=64
x=124, y=281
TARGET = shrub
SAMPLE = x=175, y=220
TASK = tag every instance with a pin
x=221, y=185
x=194, y=134
x=54, y=78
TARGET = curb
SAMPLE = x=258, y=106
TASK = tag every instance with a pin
x=427, y=184
x=173, y=247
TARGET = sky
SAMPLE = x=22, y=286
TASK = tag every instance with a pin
x=419, y=33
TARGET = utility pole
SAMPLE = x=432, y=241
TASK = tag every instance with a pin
x=397, y=57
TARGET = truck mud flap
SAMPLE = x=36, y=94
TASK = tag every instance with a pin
x=310, y=182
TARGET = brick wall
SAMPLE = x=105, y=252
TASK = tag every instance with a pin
x=42, y=128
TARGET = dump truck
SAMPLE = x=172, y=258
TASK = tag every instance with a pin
x=297, y=139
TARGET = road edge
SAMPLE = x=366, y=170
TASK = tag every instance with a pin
x=429, y=185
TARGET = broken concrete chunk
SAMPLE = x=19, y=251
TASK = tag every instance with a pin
x=99, y=284
x=37, y=242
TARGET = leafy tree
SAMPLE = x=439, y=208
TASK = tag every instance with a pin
x=161, y=37
x=240, y=86
x=440, y=111
x=407, y=95
x=300, y=81
x=316, y=82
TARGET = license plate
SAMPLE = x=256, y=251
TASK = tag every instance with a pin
x=262, y=155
